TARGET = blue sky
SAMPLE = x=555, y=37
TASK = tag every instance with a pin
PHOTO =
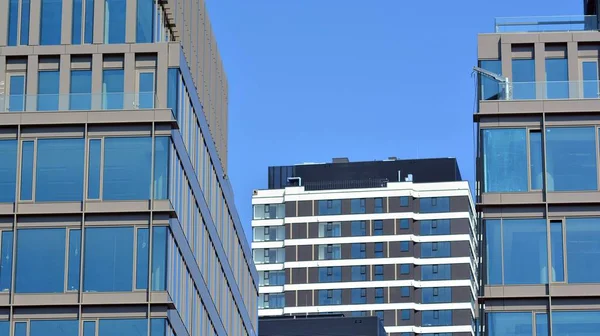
x=310, y=80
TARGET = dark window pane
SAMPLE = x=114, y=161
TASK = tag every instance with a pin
x=74, y=259
x=434, y=204
x=40, y=254
x=13, y=22
x=404, y=246
x=114, y=327
x=94, y=169
x=583, y=249
x=330, y=207
x=127, y=168
x=435, y=272
x=48, y=86
x=435, y=250
x=8, y=170
x=403, y=201
x=493, y=229
x=59, y=173
x=25, y=11
x=436, y=295
x=435, y=227
x=27, y=171
x=525, y=251
x=159, y=258
x=505, y=160
x=535, y=158
x=517, y=324
x=357, y=206
x=141, y=275
x=172, y=90
x=433, y=318
x=571, y=158
x=76, y=22
x=51, y=22
x=6, y=262
x=89, y=21
x=108, y=259
x=54, y=328
x=359, y=228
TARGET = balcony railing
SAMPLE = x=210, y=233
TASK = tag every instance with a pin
x=77, y=102
x=546, y=23
x=546, y=90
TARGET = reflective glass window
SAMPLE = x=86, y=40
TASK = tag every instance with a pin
x=27, y=171
x=379, y=205
x=404, y=223
x=435, y=250
x=403, y=201
x=172, y=90
x=359, y=273
x=13, y=22
x=48, y=86
x=359, y=296
x=114, y=21
x=493, y=228
x=146, y=88
x=436, y=295
x=557, y=78
x=490, y=89
x=158, y=327
x=405, y=269
x=405, y=314
x=330, y=296
x=127, y=168
x=575, y=323
x=523, y=79
x=571, y=158
x=378, y=250
x=113, y=86
x=359, y=228
x=541, y=324
x=40, y=254
x=142, y=255
x=435, y=227
x=378, y=272
x=74, y=259
x=357, y=206
x=556, y=250
x=269, y=211
x=20, y=328
x=583, y=249
x=358, y=250
x=162, y=147
x=434, y=204
x=112, y=327
x=379, y=296
x=517, y=324
x=16, y=98
x=505, y=160
x=524, y=251
x=8, y=170
x=6, y=261
x=59, y=170
x=330, y=229
x=108, y=259
x=330, y=274
x=330, y=252
x=54, y=328
x=269, y=233
x=159, y=258
x=405, y=246
x=25, y=13
x=436, y=272
x=144, y=20
x=535, y=160
x=80, y=97
x=4, y=328
x=377, y=228
x=431, y=318
x=589, y=70
x=94, y=169
x=51, y=22
x=330, y=207
x=89, y=328
x=76, y=21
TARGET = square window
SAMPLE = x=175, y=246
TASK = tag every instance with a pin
x=404, y=246
x=405, y=314
x=404, y=269
x=405, y=291
x=403, y=201
x=403, y=224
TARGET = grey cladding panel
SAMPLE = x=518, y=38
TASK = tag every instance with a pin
x=290, y=209
x=389, y=318
x=370, y=205
x=290, y=299
x=460, y=249
x=388, y=226
x=299, y=275
x=461, y=271
x=304, y=253
x=461, y=317
x=313, y=230
x=346, y=206
x=459, y=203
x=459, y=226
x=305, y=208
x=290, y=253
x=389, y=272
x=461, y=294
x=305, y=298
x=299, y=230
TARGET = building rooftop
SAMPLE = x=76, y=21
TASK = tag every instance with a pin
x=343, y=174
x=322, y=325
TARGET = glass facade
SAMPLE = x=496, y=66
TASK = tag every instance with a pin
x=51, y=22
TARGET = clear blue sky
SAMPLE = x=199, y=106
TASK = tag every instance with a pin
x=310, y=80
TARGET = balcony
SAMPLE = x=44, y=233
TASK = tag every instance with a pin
x=77, y=102
x=556, y=90
x=546, y=23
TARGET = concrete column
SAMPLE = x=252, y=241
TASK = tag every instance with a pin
x=4, y=26
x=96, y=81
x=506, y=58
x=99, y=21
x=131, y=20
x=65, y=82
x=32, y=82
x=162, y=68
x=67, y=19
x=130, y=78
x=539, y=56
x=35, y=22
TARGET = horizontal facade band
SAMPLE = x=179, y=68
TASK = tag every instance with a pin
x=373, y=284
x=374, y=261
x=375, y=306
x=430, y=330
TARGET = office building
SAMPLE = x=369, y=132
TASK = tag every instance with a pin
x=537, y=176
x=321, y=325
x=116, y=215
x=393, y=238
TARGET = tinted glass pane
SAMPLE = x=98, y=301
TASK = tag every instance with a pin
x=17, y=94
x=505, y=160
x=76, y=21
x=435, y=272
x=159, y=258
x=27, y=171
x=89, y=328
x=127, y=168
x=436, y=295
x=112, y=87
x=535, y=159
x=74, y=259
x=436, y=318
x=158, y=327
x=435, y=250
x=556, y=245
x=141, y=275
x=20, y=329
x=575, y=323
x=54, y=328
x=146, y=88
x=359, y=273
x=108, y=259
x=359, y=228
x=59, y=173
x=571, y=158
x=145, y=11
x=161, y=167
x=330, y=207
x=51, y=16
x=8, y=170
x=173, y=84
x=25, y=11
x=523, y=73
x=525, y=251
x=114, y=21
x=557, y=77
x=357, y=206
x=4, y=328
x=40, y=254
x=122, y=327
x=490, y=88
x=583, y=249
x=541, y=324
x=517, y=324
x=89, y=21
x=94, y=169
x=434, y=204
x=81, y=90
x=13, y=22
x=6, y=262
x=48, y=86
x=590, y=79
x=435, y=227
x=493, y=251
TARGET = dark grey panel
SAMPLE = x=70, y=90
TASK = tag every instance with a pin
x=322, y=325
x=460, y=249
x=461, y=317
x=370, y=250
x=290, y=209
x=389, y=318
x=346, y=296
x=304, y=253
x=288, y=231
x=460, y=271
x=305, y=208
x=346, y=206
x=299, y=231
x=346, y=251
x=299, y=275
x=459, y=203
x=401, y=322
x=370, y=205
x=459, y=226
x=389, y=272
x=305, y=298
x=417, y=272
x=313, y=230
x=346, y=229
x=396, y=295
x=394, y=205
x=408, y=276
x=346, y=273
x=290, y=299
x=394, y=249
x=388, y=226
x=288, y=275
x=290, y=253
x=313, y=275
x=461, y=294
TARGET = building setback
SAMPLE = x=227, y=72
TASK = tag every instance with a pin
x=116, y=216
x=393, y=238
x=537, y=176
